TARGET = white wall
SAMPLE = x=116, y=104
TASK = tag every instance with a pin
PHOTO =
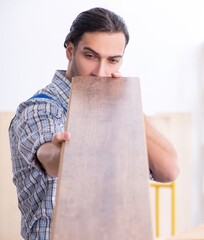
x=165, y=48
x=166, y=51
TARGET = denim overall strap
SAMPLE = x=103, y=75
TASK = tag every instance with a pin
x=42, y=95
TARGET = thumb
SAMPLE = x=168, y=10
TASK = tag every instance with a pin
x=60, y=137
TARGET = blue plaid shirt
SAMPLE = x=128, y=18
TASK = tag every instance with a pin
x=35, y=122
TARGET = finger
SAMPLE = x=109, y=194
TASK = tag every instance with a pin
x=67, y=135
x=61, y=137
x=116, y=74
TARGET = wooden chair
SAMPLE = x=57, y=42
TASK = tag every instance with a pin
x=157, y=186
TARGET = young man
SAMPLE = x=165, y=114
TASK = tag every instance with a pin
x=94, y=47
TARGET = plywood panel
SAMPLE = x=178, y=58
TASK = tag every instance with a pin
x=9, y=212
x=103, y=190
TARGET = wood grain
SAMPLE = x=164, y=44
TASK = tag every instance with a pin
x=103, y=190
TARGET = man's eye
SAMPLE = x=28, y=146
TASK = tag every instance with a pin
x=90, y=56
x=113, y=61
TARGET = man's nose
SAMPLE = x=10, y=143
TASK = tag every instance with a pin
x=100, y=70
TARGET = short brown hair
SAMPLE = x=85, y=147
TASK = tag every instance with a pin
x=96, y=20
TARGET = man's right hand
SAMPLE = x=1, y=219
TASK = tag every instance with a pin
x=49, y=153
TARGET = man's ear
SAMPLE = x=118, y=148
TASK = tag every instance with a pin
x=70, y=50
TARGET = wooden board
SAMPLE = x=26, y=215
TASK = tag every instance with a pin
x=103, y=189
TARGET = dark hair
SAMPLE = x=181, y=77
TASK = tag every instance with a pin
x=96, y=20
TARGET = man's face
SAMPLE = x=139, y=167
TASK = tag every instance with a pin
x=97, y=54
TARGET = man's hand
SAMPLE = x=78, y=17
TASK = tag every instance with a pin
x=60, y=137
x=49, y=153
x=116, y=75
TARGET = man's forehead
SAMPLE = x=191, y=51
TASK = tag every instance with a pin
x=112, y=44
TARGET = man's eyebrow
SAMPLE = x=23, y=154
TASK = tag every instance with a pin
x=91, y=50
x=97, y=54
